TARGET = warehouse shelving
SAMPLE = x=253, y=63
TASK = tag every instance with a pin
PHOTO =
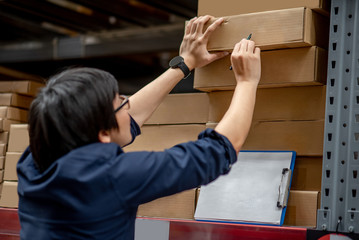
x=339, y=210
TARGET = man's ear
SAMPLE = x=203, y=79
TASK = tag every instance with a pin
x=104, y=136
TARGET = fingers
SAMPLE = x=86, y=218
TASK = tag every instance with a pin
x=244, y=46
x=257, y=51
x=189, y=25
x=212, y=27
x=201, y=22
x=250, y=46
x=196, y=24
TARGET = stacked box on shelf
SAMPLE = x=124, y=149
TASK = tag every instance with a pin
x=15, y=99
x=18, y=141
x=290, y=105
x=180, y=118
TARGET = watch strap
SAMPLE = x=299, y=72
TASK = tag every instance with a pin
x=182, y=65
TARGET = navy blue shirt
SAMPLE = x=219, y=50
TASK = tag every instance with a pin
x=93, y=192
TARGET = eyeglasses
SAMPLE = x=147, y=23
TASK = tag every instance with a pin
x=125, y=100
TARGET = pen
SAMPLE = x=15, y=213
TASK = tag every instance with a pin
x=248, y=38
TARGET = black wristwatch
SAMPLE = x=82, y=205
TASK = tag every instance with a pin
x=178, y=62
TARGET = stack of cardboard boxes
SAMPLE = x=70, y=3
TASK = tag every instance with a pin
x=18, y=142
x=290, y=105
x=15, y=99
x=180, y=118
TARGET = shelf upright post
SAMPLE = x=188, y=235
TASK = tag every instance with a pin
x=340, y=175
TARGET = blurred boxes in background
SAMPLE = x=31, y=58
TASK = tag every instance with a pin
x=29, y=88
x=11, y=160
x=12, y=113
x=15, y=100
x=18, y=141
x=9, y=197
x=18, y=138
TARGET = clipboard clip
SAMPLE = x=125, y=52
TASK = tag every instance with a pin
x=283, y=188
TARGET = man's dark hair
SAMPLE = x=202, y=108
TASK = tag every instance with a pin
x=69, y=112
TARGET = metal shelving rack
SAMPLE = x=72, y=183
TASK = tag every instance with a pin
x=340, y=177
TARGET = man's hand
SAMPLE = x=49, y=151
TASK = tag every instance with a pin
x=194, y=45
x=246, y=62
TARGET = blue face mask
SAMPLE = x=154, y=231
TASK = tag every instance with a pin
x=135, y=130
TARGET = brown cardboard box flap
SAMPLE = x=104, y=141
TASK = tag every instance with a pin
x=307, y=174
x=160, y=137
x=182, y=108
x=5, y=124
x=292, y=103
x=11, y=160
x=3, y=149
x=13, y=113
x=9, y=197
x=235, y=7
x=302, y=209
x=180, y=205
x=2, y=161
x=287, y=28
x=18, y=138
x=4, y=137
x=286, y=67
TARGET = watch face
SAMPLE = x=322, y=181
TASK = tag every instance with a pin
x=175, y=61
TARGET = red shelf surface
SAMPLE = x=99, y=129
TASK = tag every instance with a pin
x=182, y=229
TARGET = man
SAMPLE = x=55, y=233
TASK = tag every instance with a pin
x=76, y=182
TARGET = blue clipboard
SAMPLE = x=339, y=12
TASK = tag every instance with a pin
x=255, y=191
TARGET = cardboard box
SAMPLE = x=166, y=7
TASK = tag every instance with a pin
x=18, y=138
x=9, y=197
x=4, y=137
x=235, y=7
x=2, y=161
x=1, y=175
x=304, y=137
x=30, y=88
x=294, y=103
x=307, y=174
x=15, y=100
x=3, y=149
x=13, y=113
x=180, y=205
x=5, y=124
x=11, y=160
x=160, y=137
x=181, y=108
x=286, y=67
x=287, y=28
x=302, y=209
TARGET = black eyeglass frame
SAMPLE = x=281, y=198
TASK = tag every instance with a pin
x=124, y=102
